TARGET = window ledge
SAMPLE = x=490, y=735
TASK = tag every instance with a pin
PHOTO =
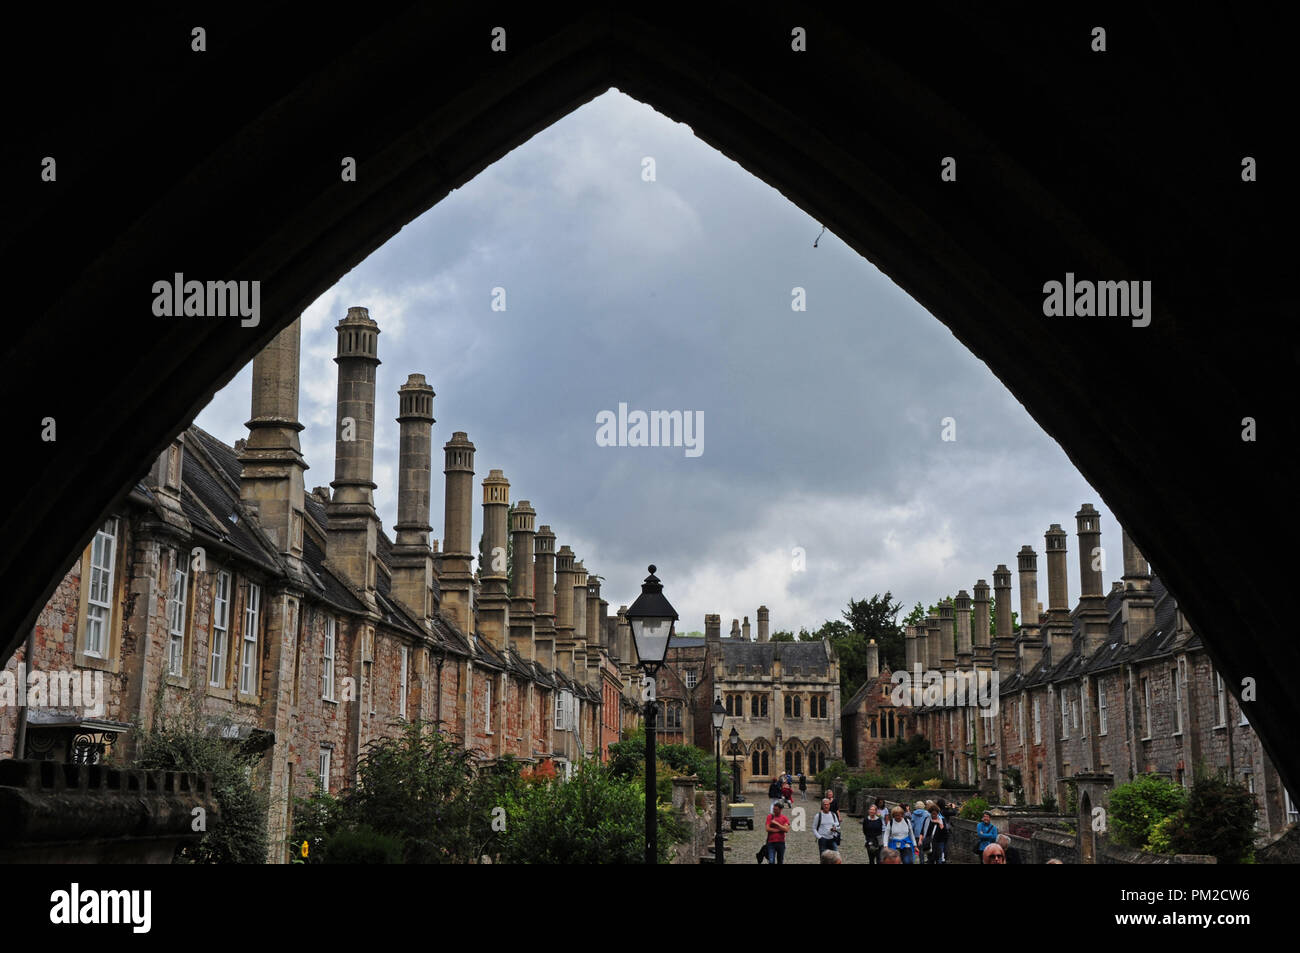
x=178, y=681
x=219, y=691
x=96, y=662
x=330, y=701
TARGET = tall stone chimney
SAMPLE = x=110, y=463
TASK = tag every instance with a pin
x=1059, y=630
x=873, y=660
x=982, y=642
x=933, y=643
x=564, y=639
x=353, y=534
x=763, y=621
x=1094, y=620
x=910, y=658
x=965, y=650
x=595, y=618
x=456, y=580
x=947, y=637
x=544, y=589
x=522, y=595
x=744, y=629
x=623, y=639
x=412, y=557
x=1027, y=560
x=271, y=464
x=1004, y=652
x=1138, y=608
x=579, y=620
x=735, y=628
x=494, y=582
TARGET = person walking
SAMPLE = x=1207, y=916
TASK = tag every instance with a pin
x=899, y=836
x=777, y=827
x=803, y=786
x=826, y=825
x=774, y=793
x=918, y=817
x=987, y=832
x=787, y=791
x=934, y=837
x=873, y=829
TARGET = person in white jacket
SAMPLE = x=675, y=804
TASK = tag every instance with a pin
x=898, y=835
x=826, y=825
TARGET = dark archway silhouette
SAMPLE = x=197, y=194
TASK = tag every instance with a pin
x=1120, y=165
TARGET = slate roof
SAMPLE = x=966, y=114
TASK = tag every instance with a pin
x=809, y=657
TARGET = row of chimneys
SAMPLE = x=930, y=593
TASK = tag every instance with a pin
x=1042, y=634
x=713, y=627
x=548, y=607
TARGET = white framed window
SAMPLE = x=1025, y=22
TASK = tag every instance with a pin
x=220, y=630
x=1101, y=708
x=327, y=661
x=1020, y=721
x=324, y=768
x=1220, y=701
x=1064, y=704
x=248, y=652
x=1038, y=723
x=401, y=691
x=970, y=728
x=1292, y=815
x=99, y=597
x=691, y=678
x=1083, y=708
x=487, y=706
x=176, y=593
x=559, y=711
x=1146, y=706
x=1178, y=700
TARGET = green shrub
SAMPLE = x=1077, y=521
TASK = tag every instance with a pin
x=1160, y=840
x=363, y=845
x=180, y=741
x=973, y=810
x=1049, y=803
x=836, y=769
x=1137, y=807
x=1218, y=819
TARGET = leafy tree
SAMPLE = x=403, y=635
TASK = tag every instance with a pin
x=1141, y=804
x=1218, y=819
x=874, y=618
x=912, y=755
x=782, y=636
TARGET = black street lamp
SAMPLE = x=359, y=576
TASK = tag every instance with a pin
x=719, y=716
x=651, y=618
x=733, y=744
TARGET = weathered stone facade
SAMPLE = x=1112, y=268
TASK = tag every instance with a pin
x=1092, y=697
x=289, y=619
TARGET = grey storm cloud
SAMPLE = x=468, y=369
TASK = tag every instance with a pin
x=822, y=428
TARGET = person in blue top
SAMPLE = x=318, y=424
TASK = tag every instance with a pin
x=918, y=818
x=987, y=832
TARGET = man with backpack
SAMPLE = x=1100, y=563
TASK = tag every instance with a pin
x=826, y=825
x=934, y=837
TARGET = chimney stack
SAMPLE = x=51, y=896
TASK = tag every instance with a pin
x=1004, y=639
x=982, y=646
x=595, y=618
x=544, y=596
x=1093, y=617
x=579, y=620
x=910, y=658
x=271, y=474
x=745, y=629
x=933, y=644
x=564, y=641
x=873, y=660
x=494, y=597
x=1138, y=610
x=762, y=624
x=353, y=524
x=455, y=578
x=947, y=637
x=522, y=575
x=412, y=557
x=623, y=639
x=1028, y=563
x=735, y=628
x=965, y=652
x=1059, y=634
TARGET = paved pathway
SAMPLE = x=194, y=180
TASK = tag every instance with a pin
x=801, y=846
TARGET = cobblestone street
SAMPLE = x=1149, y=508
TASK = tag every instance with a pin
x=801, y=845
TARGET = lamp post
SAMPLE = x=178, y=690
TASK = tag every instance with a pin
x=651, y=618
x=719, y=716
x=733, y=743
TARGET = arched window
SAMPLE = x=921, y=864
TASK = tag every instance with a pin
x=757, y=762
x=753, y=706
x=873, y=726
x=789, y=761
x=798, y=706
x=798, y=762
x=787, y=706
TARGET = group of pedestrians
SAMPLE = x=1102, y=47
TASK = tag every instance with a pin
x=892, y=836
x=826, y=825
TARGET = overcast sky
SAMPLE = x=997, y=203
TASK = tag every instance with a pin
x=822, y=429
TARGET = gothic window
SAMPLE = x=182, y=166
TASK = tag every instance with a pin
x=873, y=726
x=798, y=706
x=753, y=706
x=788, y=708
x=673, y=716
x=759, y=761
